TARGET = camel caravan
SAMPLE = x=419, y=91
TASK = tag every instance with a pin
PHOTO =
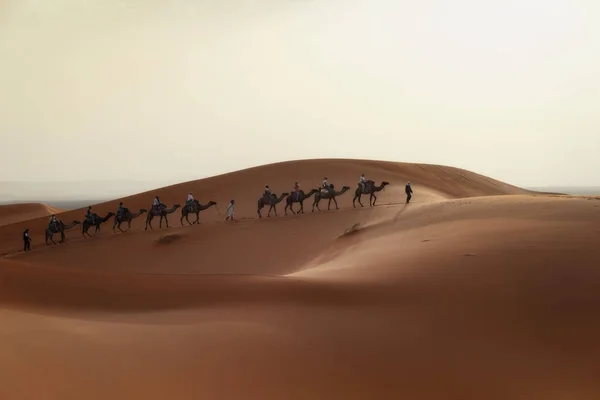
x=192, y=206
x=325, y=192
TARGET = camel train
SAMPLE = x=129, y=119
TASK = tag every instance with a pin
x=194, y=207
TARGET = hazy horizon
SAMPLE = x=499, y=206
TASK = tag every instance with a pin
x=150, y=91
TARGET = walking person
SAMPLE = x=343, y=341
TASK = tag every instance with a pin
x=409, y=192
x=26, y=240
x=230, y=211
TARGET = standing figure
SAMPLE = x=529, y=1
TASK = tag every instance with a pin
x=230, y=211
x=409, y=192
x=26, y=240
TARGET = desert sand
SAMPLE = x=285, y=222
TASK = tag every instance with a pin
x=476, y=290
x=13, y=213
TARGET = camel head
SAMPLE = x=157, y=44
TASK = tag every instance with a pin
x=346, y=187
x=143, y=210
x=212, y=203
x=384, y=183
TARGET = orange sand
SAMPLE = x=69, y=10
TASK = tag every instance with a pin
x=12, y=213
x=477, y=289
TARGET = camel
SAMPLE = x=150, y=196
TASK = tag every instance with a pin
x=58, y=227
x=96, y=221
x=271, y=201
x=331, y=195
x=160, y=211
x=291, y=199
x=126, y=216
x=369, y=189
x=194, y=207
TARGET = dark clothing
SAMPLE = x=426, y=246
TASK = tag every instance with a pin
x=409, y=191
x=26, y=241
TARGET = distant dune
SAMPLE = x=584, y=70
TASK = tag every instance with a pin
x=476, y=290
x=13, y=213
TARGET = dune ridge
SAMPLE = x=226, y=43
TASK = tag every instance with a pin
x=16, y=213
x=477, y=289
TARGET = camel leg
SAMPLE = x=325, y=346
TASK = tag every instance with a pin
x=359, y=202
x=149, y=222
x=166, y=220
x=336, y=204
x=62, y=237
x=373, y=197
x=301, y=208
x=317, y=204
x=197, y=218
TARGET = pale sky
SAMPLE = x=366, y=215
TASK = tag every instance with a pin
x=183, y=89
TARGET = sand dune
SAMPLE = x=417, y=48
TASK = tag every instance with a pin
x=478, y=289
x=13, y=213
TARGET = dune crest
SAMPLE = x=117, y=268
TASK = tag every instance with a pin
x=14, y=213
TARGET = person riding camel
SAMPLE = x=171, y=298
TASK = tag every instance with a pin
x=53, y=221
x=190, y=198
x=362, y=182
x=268, y=191
x=89, y=216
x=297, y=191
x=325, y=185
x=156, y=203
x=120, y=210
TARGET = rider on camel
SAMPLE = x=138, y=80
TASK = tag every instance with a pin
x=52, y=221
x=297, y=191
x=362, y=182
x=190, y=198
x=120, y=210
x=88, y=215
x=325, y=185
x=267, y=191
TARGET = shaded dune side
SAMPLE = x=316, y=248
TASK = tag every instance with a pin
x=492, y=249
x=15, y=213
x=431, y=182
